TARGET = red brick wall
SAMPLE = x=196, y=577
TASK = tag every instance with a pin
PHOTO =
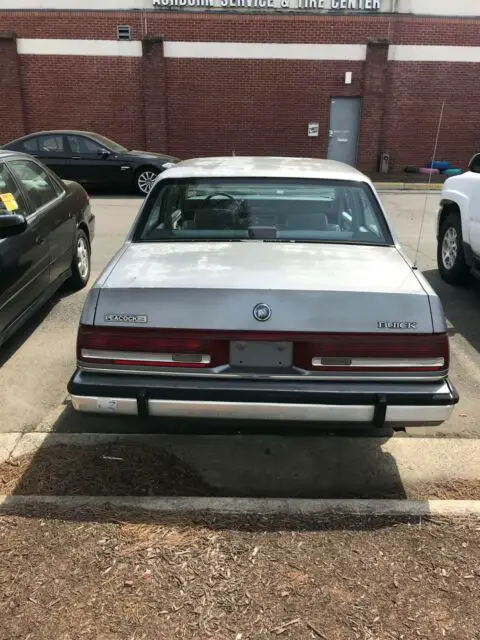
x=201, y=107
x=90, y=93
x=252, y=106
x=12, y=122
x=416, y=94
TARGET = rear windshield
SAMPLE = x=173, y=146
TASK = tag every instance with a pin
x=261, y=209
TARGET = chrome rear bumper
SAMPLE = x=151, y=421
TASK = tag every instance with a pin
x=263, y=400
x=264, y=411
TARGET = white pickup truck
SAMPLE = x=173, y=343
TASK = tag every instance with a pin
x=458, y=225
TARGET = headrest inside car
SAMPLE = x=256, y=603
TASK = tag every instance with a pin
x=214, y=219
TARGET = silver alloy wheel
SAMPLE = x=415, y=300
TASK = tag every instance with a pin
x=145, y=181
x=83, y=258
x=450, y=248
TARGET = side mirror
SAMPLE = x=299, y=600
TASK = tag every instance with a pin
x=11, y=224
x=474, y=165
x=103, y=153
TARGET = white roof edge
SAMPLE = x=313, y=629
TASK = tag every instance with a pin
x=264, y=167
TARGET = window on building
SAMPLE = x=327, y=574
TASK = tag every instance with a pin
x=124, y=32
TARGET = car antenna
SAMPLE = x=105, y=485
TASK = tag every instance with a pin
x=440, y=120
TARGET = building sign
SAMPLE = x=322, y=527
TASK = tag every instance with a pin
x=358, y=6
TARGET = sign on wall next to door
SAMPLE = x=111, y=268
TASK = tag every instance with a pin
x=292, y=5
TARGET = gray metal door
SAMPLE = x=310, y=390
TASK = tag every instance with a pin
x=343, y=129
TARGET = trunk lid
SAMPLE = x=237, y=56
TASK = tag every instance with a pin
x=216, y=285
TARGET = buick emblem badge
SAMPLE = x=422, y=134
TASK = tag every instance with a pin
x=262, y=312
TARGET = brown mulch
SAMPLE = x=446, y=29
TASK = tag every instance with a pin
x=109, y=469
x=88, y=576
x=131, y=469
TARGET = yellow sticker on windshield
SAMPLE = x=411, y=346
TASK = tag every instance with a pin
x=9, y=201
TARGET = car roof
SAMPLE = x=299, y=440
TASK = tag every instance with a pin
x=54, y=132
x=6, y=153
x=264, y=167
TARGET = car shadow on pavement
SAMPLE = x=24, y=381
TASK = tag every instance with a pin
x=461, y=306
x=13, y=344
x=82, y=456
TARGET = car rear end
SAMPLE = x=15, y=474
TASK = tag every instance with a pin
x=333, y=378
x=279, y=328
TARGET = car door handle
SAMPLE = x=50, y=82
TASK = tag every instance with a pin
x=76, y=158
x=39, y=240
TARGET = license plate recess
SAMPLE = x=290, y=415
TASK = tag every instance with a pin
x=256, y=354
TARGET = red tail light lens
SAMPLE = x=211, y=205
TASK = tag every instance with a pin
x=149, y=347
x=311, y=352
x=372, y=352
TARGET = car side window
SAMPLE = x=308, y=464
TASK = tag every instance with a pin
x=83, y=146
x=12, y=199
x=30, y=145
x=35, y=181
x=51, y=144
x=370, y=219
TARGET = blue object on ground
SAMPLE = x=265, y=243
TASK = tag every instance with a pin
x=452, y=172
x=441, y=165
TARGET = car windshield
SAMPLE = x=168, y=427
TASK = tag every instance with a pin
x=281, y=210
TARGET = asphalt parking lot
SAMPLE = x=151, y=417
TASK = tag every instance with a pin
x=36, y=365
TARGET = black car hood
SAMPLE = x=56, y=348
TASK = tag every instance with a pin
x=153, y=155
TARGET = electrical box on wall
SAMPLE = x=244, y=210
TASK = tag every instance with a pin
x=348, y=77
x=384, y=163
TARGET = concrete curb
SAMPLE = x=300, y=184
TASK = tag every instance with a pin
x=407, y=186
x=251, y=506
x=8, y=442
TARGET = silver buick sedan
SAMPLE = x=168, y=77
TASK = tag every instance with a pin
x=259, y=288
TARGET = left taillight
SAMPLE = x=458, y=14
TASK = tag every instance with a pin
x=149, y=348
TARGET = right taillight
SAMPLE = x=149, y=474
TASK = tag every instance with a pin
x=373, y=352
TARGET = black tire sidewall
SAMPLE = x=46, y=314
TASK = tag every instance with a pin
x=76, y=281
x=459, y=271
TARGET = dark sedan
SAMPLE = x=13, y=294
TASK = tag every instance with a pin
x=46, y=231
x=92, y=159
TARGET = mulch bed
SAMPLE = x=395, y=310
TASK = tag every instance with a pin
x=130, y=577
x=109, y=469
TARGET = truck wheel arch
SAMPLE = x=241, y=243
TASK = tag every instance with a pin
x=446, y=207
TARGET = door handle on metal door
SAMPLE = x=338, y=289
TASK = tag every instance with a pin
x=39, y=240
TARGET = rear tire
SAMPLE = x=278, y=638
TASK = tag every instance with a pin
x=144, y=180
x=81, y=263
x=451, y=261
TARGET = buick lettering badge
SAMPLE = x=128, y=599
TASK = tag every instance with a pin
x=262, y=312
